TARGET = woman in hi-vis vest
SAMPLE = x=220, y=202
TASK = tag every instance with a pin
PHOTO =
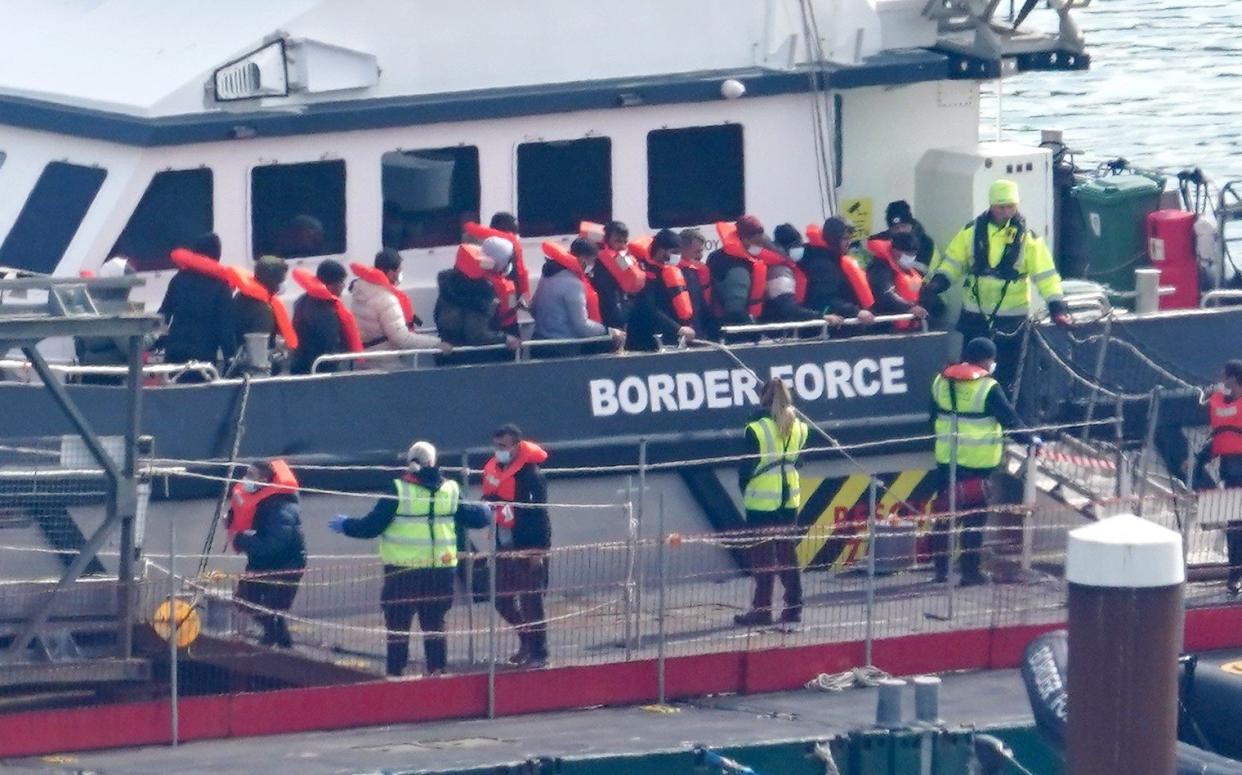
x=768, y=478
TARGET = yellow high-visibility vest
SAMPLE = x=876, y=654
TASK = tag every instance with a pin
x=423, y=534
x=775, y=482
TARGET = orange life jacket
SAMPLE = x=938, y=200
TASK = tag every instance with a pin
x=775, y=258
x=624, y=269
x=247, y=286
x=499, y=482
x=244, y=504
x=853, y=272
x=376, y=277
x=907, y=282
x=704, y=273
x=469, y=262
x=732, y=245
x=964, y=372
x=315, y=288
x=672, y=278
x=481, y=232
x=1225, y=417
x=190, y=261
x=560, y=255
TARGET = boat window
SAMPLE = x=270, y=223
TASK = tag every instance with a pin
x=175, y=209
x=428, y=195
x=298, y=209
x=563, y=183
x=695, y=175
x=51, y=216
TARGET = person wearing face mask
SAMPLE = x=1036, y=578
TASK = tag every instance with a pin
x=1225, y=443
x=513, y=480
x=615, y=275
x=698, y=275
x=384, y=313
x=477, y=306
x=786, y=286
x=323, y=323
x=969, y=393
x=418, y=531
x=739, y=275
x=265, y=524
x=899, y=219
x=664, y=311
x=257, y=306
x=836, y=285
x=895, y=279
x=566, y=305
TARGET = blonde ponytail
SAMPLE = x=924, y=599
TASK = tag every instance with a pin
x=776, y=400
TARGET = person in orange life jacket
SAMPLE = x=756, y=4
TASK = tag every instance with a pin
x=829, y=288
x=477, y=305
x=256, y=316
x=731, y=275
x=786, y=286
x=899, y=219
x=507, y=223
x=383, y=312
x=417, y=581
x=566, y=305
x=964, y=382
x=894, y=277
x=265, y=524
x=523, y=537
x=664, y=307
x=198, y=310
x=317, y=323
x=1225, y=443
x=615, y=304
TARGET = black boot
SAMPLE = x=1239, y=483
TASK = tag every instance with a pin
x=283, y=639
x=270, y=632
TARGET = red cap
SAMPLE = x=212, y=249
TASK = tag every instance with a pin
x=748, y=226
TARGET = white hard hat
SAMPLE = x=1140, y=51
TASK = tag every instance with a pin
x=422, y=453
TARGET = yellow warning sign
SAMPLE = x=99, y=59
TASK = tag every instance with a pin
x=858, y=213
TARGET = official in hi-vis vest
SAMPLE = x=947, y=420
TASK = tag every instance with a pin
x=1225, y=442
x=417, y=530
x=969, y=392
x=996, y=258
x=768, y=478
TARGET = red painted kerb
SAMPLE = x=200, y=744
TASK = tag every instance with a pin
x=465, y=696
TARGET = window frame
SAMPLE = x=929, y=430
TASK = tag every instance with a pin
x=69, y=236
x=531, y=226
x=166, y=264
x=657, y=209
x=476, y=187
x=258, y=250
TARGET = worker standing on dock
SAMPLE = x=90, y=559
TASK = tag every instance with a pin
x=1225, y=442
x=418, y=544
x=996, y=258
x=768, y=478
x=968, y=391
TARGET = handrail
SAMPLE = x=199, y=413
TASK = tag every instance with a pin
x=208, y=370
x=524, y=347
x=1218, y=295
x=822, y=325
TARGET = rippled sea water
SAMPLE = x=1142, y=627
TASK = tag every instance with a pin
x=1164, y=89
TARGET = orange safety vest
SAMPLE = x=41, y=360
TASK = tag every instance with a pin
x=247, y=286
x=315, y=288
x=469, y=263
x=624, y=269
x=244, y=504
x=853, y=272
x=1225, y=417
x=481, y=232
x=376, y=277
x=560, y=255
x=499, y=483
x=732, y=245
x=774, y=258
x=907, y=282
x=190, y=261
x=672, y=278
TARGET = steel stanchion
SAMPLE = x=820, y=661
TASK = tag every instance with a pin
x=662, y=556
x=172, y=630
x=870, y=634
x=627, y=595
x=638, y=533
x=469, y=568
x=1029, y=496
x=491, y=621
x=951, y=576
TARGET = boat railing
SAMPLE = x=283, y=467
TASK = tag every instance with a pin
x=524, y=351
x=821, y=326
x=168, y=370
x=1217, y=297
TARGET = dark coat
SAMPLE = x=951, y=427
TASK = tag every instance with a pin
x=251, y=316
x=199, y=311
x=532, y=529
x=380, y=517
x=319, y=333
x=653, y=314
x=827, y=288
x=465, y=311
x=615, y=304
x=275, y=541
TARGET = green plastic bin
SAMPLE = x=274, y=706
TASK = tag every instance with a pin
x=1114, y=212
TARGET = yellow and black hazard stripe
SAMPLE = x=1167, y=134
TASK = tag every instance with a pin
x=835, y=513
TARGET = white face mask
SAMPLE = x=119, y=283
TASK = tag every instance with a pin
x=503, y=456
x=674, y=259
x=754, y=250
x=796, y=253
x=400, y=277
x=906, y=260
x=992, y=367
x=250, y=485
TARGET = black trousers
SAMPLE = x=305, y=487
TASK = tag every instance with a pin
x=273, y=590
x=521, y=580
x=423, y=592
x=1005, y=334
x=774, y=554
x=1231, y=476
x=971, y=525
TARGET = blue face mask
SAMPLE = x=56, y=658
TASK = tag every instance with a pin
x=796, y=253
x=250, y=486
x=503, y=456
x=674, y=259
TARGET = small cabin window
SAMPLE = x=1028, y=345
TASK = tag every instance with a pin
x=563, y=183
x=175, y=209
x=695, y=176
x=298, y=210
x=428, y=195
x=51, y=216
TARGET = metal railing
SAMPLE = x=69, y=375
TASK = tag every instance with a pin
x=823, y=326
x=1216, y=297
x=524, y=351
x=171, y=370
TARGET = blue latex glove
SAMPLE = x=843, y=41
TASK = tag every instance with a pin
x=337, y=524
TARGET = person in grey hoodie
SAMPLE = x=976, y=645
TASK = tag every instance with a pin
x=560, y=303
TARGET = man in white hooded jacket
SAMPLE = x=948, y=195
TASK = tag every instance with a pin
x=382, y=322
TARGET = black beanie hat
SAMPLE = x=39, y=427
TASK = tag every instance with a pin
x=898, y=212
x=787, y=236
x=978, y=350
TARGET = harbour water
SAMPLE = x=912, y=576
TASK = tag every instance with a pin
x=1164, y=89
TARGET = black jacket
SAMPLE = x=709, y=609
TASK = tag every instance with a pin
x=614, y=304
x=319, y=333
x=997, y=406
x=532, y=529
x=927, y=246
x=380, y=517
x=884, y=285
x=828, y=290
x=199, y=311
x=653, y=314
x=277, y=542
x=251, y=316
x=465, y=311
